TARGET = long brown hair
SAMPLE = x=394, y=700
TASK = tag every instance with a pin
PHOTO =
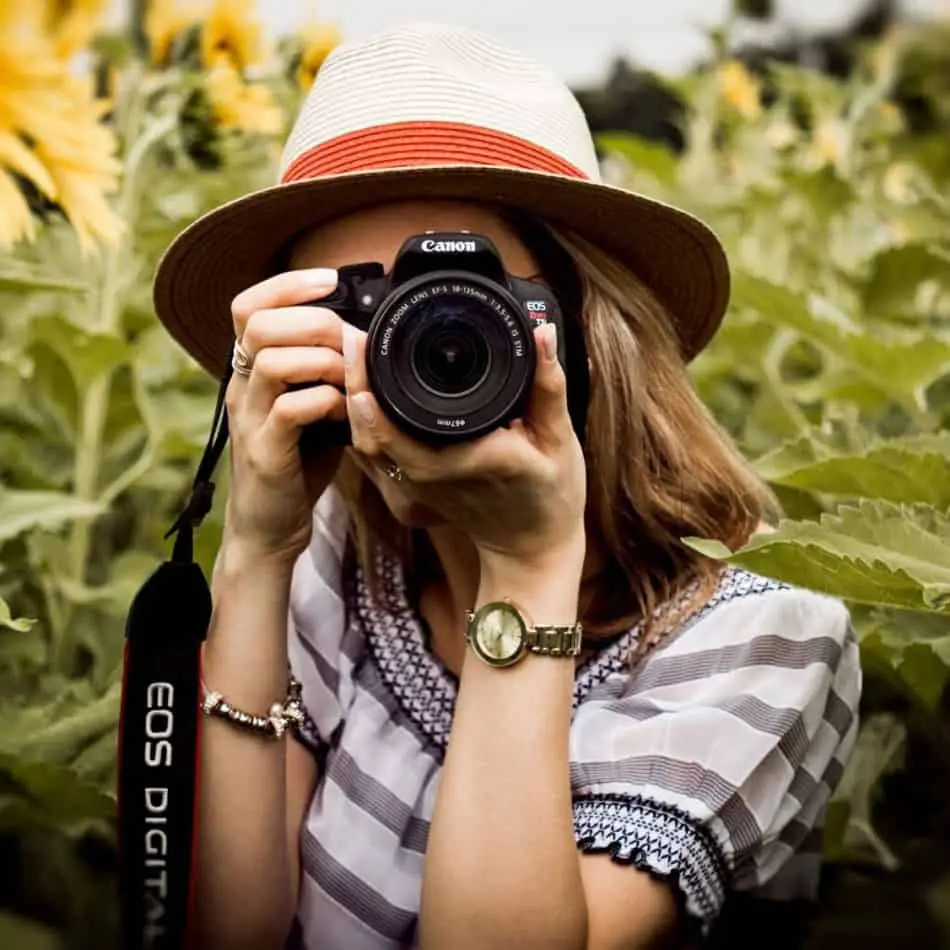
x=659, y=467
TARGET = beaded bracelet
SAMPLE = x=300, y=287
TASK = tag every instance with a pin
x=280, y=717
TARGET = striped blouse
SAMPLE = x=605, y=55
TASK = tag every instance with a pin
x=710, y=764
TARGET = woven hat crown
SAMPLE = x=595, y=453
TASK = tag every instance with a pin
x=421, y=75
x=428, y=112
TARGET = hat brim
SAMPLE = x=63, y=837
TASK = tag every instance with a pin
x=232, y=247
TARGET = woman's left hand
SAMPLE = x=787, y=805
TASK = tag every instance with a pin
x=518, y=492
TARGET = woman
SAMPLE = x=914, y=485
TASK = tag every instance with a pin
x=609, y=796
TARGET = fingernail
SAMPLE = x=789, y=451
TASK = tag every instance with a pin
x=349, y=345
x=549, y=342
x=320, y=278
x=364, y=407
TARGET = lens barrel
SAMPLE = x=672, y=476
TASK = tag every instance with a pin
x=450, y=356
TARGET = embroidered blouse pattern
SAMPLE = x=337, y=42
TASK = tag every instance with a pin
x=426, y=690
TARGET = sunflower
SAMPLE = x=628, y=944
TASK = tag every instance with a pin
x=165, y=20
x=232, y=33
x=72, y=23
x=239, y=105
x=83, y=165
x=739, y=89
x=51, y=134
x=318, y=40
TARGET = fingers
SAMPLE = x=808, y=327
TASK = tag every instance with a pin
x=276, y=368
x=374, y=436
x=369, y=426
x=546, y=415
x=282, y=290
x=293, y=410
x=288, y=344
x=291, y=326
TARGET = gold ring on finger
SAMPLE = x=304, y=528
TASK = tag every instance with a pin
x=241, y=363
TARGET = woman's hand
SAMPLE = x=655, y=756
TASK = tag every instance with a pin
x=518, y=492
x=270, y=504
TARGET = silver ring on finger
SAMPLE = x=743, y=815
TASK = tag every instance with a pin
x=241, y=362
x=393, y=471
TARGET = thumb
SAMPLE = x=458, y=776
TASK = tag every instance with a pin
x=547, y=413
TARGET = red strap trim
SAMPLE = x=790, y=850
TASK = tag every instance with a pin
x=402, y=144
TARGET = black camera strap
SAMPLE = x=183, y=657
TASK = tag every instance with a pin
x=160, y=726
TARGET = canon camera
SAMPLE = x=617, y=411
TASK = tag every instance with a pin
x=450, y=350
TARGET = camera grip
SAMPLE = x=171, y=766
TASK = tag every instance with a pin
x=326, y=434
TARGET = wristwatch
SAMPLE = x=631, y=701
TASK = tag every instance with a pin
x=500, y=635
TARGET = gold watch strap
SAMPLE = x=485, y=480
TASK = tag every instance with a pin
x=544, y=639
x=554, y=640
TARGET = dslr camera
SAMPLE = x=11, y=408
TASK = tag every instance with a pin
x=450, y=351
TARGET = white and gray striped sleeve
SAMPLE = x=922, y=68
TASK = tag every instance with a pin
x=711, y=764
x=316, y=624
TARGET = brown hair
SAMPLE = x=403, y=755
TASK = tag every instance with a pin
x=659, y=467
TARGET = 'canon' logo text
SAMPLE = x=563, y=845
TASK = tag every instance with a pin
x=447, y=246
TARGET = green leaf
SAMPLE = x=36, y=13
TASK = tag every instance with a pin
x=912, y=469
x=88, y=354
x=97, y=763
x=22, y=934
x=823, y=191
x=871, y=553
x=642, y=156
x=19, y=624
x=876, y=753
x=60, y=742
x=925, y=673
x=896, y=275
x=20, y=279
x=901, y=363
x=23, y=510
x=55, y=790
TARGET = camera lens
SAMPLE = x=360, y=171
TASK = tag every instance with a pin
x=450, y=358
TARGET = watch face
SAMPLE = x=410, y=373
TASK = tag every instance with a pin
x=498, y=634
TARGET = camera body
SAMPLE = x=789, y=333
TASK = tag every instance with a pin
x=450, y=352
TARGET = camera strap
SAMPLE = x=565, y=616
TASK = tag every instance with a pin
x=160, y=726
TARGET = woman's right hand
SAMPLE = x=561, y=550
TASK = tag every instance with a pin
x=272, y=493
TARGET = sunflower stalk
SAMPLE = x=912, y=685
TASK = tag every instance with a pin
x=106, y=317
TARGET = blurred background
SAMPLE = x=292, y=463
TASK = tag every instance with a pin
x=815, y=138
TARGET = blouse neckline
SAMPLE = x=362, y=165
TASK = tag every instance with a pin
x=424, y=686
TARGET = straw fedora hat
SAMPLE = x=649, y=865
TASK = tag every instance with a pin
x=435, y=111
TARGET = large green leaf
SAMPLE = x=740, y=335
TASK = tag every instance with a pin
x=872, y=553
x=912, y=469
x=902, y=363
x=22, y=510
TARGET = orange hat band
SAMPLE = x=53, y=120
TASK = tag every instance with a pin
x=406, y=144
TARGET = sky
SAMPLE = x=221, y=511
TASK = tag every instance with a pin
x=576, y=38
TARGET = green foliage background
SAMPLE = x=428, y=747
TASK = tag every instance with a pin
x=832, y=371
